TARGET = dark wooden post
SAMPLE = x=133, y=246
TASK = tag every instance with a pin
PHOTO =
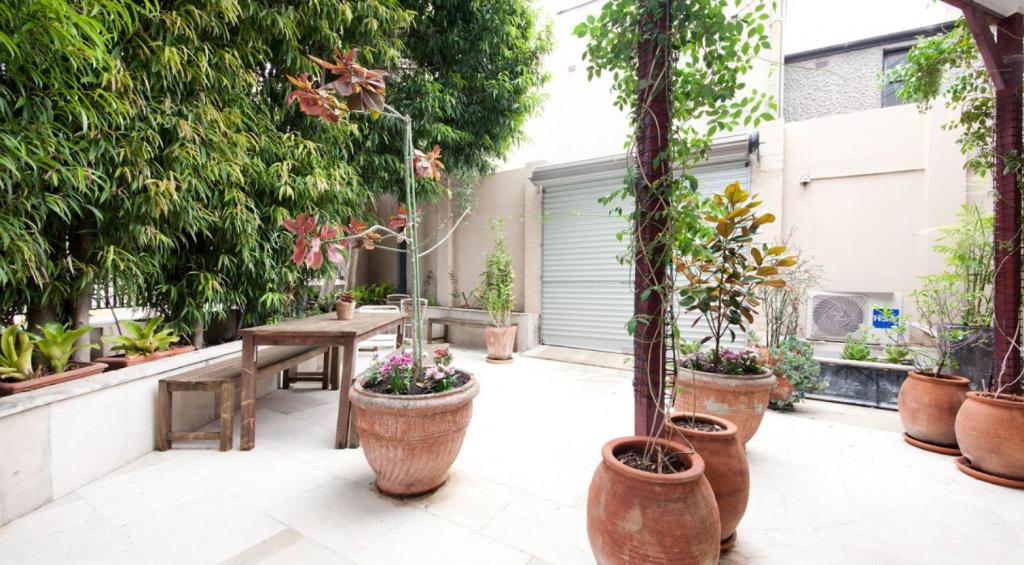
x=1008, y=142
x=651, y=218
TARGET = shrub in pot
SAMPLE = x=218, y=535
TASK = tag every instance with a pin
x=499, y=297
x=29, y=361
x=930, y=397
x=797, y=370
x=346, y=306
x=142, y=343
x=723, y=269
x=411, y=419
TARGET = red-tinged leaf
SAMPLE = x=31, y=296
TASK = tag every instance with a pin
x=397, y=222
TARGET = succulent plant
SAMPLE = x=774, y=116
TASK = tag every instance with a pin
x=142, y=340
x=16, y=355
x=57, y=344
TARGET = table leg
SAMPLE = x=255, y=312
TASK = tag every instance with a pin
x=248, y=440
x=345, y=431
x=334, y=362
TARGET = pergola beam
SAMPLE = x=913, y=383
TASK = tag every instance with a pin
x=978, y=23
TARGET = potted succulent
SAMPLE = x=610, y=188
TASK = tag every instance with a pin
x=412, y=419
x=19, y=350
x=141, y=344
x=346, y=306
x=797, y=370
x=856, y=348
x=930, y=397
x=498, y=293
x=722, y=269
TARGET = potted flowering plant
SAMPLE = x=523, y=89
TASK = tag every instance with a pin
x=19, y=351
x=723, y=269
x=412, y=410
x=346, y=306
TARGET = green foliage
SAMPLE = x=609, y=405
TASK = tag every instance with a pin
x=794, y=358
x=949, y=68
x=142, y=339
x=57, y=344
x=857, y=348
x=941, y=305
x=897, y=351
x=16, y=355
x=724, y=268
x=968, y=248
x=781, y=305
x=375, y=293
x=499, y=279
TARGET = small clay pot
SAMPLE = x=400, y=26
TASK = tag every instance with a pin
x=741, y=399
x=638, y=517
x=345, y=310
x=411, y=441
x=990, y=432
x=928, y=407
x=725, y=466
x=500, y=343
x=783, y=389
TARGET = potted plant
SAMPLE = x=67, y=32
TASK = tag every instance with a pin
x=930, y=397
x=142, y=343
x=990, y=434
x=411, y=421
x=797, y=370
x=722, y=270
x=19, y=349
x=499, y=297
x=346, y=306
x=857, y=348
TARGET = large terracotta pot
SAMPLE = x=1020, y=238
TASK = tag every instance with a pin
x=725, y=466
x=638, y=517
x=928, y=407
x=990, y=432
x=741, y=399
x=782, y=390
x=500, y=343
x=412, y=441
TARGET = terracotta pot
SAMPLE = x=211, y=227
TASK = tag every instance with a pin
x=639, y=517
x=75, y=371
x=741, y=399
x=783, y=389
x=928, y=407
x=412, y=441
x=345, y=310
x=500, y=342
x=990, y=432
x=725, y=467
x=115, y=362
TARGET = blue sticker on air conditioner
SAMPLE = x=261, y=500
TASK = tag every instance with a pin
x=884, y=318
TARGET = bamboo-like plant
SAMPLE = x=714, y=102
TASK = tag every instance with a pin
x=499, y=279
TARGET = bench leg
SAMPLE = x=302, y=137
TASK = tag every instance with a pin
x=163, y=417
x=289, y=374
x=325, y=382
x=227, y=415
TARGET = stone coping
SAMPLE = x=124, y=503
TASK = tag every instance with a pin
x=17, y=403
x=865, y=364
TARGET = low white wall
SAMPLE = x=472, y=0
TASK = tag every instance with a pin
x=527, y=335
x=56, y=439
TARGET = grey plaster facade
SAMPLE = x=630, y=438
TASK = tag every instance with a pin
x=837, y=83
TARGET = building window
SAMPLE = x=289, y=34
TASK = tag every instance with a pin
x=891, y=59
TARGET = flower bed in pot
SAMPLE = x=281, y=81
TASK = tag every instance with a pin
x=412, y=421
x=56, y=345
x=142, y=344
x=644, y=516
x=734, y=387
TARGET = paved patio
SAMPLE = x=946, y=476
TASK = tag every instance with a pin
x=833, y=484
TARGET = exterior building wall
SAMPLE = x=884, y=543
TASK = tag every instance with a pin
x=834, y=84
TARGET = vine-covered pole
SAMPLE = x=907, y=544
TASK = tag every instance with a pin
x=651, y=220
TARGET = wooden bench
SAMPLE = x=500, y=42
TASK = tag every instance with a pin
x=220, y=378
x=456, y=322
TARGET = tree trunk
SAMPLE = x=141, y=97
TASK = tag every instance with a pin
x=651, y=218
x=353, y=265
x=198, y=334
x=79, y=246
x=1008, y=118
x=39, y=315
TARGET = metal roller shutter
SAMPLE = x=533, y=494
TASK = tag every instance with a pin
x=586, y=294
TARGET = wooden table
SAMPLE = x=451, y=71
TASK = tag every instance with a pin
x=327, y=330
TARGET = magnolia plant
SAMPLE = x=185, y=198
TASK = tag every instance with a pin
x=354, y=88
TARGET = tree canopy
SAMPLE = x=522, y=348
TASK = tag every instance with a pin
x=149, y=145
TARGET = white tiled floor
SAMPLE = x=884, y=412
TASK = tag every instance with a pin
x=831, y=484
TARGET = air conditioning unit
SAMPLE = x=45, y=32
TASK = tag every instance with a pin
x=836, y=315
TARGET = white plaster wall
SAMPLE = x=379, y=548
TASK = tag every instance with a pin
x=834, y=84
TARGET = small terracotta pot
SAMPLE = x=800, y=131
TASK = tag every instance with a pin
x=345, y=310
x=725, y=467
x=411, y=442
x=990, y=432
x=638, y=517
x=500, y=342
x=928, y=407
x=115, y=362
x=75, y=371
x=783, y=389
x=741, y=399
